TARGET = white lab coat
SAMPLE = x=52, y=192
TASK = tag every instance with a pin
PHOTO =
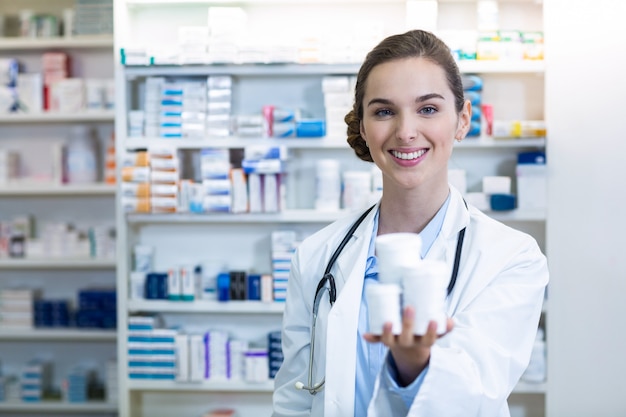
x=496, y=304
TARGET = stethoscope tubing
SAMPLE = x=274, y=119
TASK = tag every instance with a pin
x=332, y=293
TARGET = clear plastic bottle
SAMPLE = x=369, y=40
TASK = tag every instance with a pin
x=328, y=185
x=82, y=156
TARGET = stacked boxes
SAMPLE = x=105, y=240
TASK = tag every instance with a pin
x=219, y=98
x=210, y=356
x=164, y=180
x=151, y=351
x=150, y=181
x=532, y=181
x=235, y=359
x=16, y=308
x=257, y=365
x=181, y=342
x=152, y=107
x=216, y=185
x=110, y=375
x=283, y=246
x=278, y=122
x=55, y=67
x=193, y=110
x=275, y=352
x=93, y=17
x=338, y=100
x=52, y=313
x=35, y=380
x=9, y=166
x=226, y=25
x=9, y=388
x=135, y=187
x=170, y=118
x=472, y=89
x=77, y=385
x=216, y=355
x=264, y=166
x=97, y=308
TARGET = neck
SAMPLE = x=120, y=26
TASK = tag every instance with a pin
x=409, y=212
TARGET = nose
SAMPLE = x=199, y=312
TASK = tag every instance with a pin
x=406, y=127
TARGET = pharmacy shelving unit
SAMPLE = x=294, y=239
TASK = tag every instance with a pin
x=32, y=135
x=241, y=241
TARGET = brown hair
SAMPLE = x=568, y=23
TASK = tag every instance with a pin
x=415, y=43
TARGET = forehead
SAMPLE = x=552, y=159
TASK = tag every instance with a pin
x=407, y=75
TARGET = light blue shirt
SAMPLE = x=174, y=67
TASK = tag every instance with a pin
x=371, y=356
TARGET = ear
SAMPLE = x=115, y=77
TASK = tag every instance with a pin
x=362, y=130
x=465, y=118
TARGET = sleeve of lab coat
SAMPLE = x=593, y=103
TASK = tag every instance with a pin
x=474, y=368
x=287, y=401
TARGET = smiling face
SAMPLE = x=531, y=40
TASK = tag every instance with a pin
x=410, y=122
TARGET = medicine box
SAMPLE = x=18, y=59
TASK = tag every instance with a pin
x=532, y=181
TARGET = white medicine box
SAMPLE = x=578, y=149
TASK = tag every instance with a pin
x=532, y=181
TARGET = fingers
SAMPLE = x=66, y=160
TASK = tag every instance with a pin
x=406, y=337
x=449, y=325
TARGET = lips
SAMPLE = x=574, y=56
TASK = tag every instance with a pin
x=407, y=156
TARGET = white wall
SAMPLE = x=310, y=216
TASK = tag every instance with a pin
x=585, y=112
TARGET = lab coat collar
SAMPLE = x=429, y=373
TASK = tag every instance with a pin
x=457, y=216
x=348, y=262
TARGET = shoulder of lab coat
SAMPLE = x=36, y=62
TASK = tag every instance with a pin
x=496, y=306
x=307, y=268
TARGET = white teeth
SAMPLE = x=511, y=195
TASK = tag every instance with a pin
x=408, y=155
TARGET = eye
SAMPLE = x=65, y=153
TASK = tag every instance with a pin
x=383, y=112
x=428, y=110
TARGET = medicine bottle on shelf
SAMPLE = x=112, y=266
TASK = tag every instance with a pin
x=82, y=156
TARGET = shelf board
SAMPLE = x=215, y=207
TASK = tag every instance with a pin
x=530, y=388
x=229, y=307
x=82, y=42
x=502, y=67
x=314, y=143
x=140, y=3
x=237, y=142
x=277, y=69
x=72, y=334
x=215, y=386
x=490, y=143
x=57, y=263
x=287, y=216
x=59, y=407
x=58, y=117
x=47, y=189
x=518, y=215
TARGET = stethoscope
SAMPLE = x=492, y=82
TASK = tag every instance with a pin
x=332, y=294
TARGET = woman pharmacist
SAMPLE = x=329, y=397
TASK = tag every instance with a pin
x=408, y=110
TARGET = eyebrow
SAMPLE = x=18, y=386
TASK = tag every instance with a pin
x=420, y=99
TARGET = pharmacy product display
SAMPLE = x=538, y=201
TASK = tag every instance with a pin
x=226, y=148
x=57, y=227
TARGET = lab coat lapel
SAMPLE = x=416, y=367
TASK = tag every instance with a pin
x=444, y=246
x=343, y=322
